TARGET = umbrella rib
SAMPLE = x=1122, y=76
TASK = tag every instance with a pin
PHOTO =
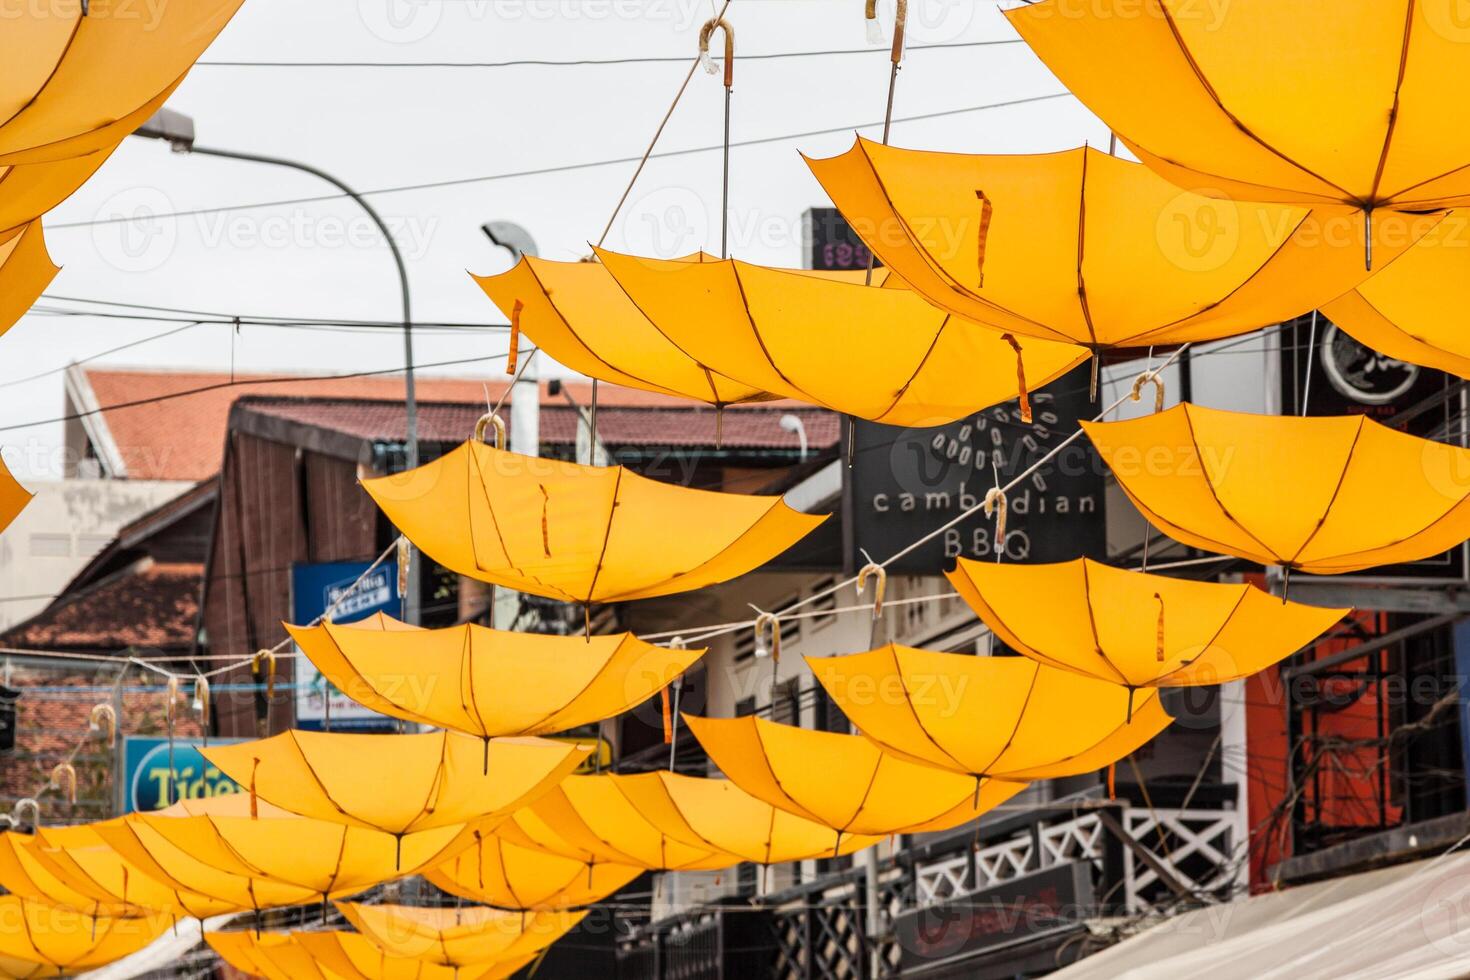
x=504, y=549
x=670, y=340
x=1082, y=302
x=1215, y=496
x=925, y=257
x=547, y=723
x=1016, y=728
x=1393, y=112
x=595, y=355
x=1092, y=626
x=1347, y=463
x=311, y=771
x=1244, y=591
x=776, y=502
x=1234, y=119
x=606, y=534
x=863, y=801
x=755, y=331
x=1029, y=651
x=766, y=758
x=923, y=362
x=468, y=662
x=71, y=40
x=909, y=701
x=1444, y=516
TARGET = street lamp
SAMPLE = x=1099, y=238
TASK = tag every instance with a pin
x=177, y=129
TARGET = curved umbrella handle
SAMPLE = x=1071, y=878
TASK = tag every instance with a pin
x=705, y=34
x=768, y=636
x=489, y=419
x=1149, y=377
x=104, y=719
x=872, y=568
x=875, y=35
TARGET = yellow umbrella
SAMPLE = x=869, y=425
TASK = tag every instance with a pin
x=577, y=314
x=27, y=191
x=40, y=940
x=718, y=814
x=1002, y=717
x=496, y=872
x=581, y=533
x=877, y=353
x=123, y=860
x=324, y=856
x=843, y=782
x=588, y=820
x=273, y=955
x=335, y=956
x=1323, y=495
x=412, y=782
x=466, y=937
x=1411, y=308
x=351, y=956
x=13, y=496
x=77, y=82
x=1071, y=237
x=489, y=682
x=1351, y=103
x=1136, y=629
x=75, y=868
x=25, y=271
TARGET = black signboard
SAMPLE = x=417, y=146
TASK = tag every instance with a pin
x=1046, y=901
x=1330, y=373
x=8, y=698
x=829, y=243
x=904, y=483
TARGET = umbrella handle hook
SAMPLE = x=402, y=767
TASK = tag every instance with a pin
x=768, y=636
x=27, y=805
x=880, y=573
x=1149, y=377
x=104, y=719
x=706, y=33
x=489, y=419
x=875, y=33
x=64, y=778
x=995, y=504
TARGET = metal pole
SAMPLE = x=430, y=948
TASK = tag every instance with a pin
x=411, y=607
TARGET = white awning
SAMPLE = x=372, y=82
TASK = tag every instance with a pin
x=1409, y=922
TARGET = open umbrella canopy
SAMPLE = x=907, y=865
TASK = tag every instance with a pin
x=13, y=496
x=77, y=82
x=125, y=861
x=464, y=937
x=877, y=353
x=1354, y=103
x=718, y=814
x=351, y=956
x=1321, y=494
x=844, y=782
x=1412, y=308
x=489, y=682
x=578, y=314
x=588, y=820
x=1003, y=717
x=496, y=872
x=1070, y=236
x=75, y=868
x=1136, y=629
x=602, y=533
x=334, y=956
x=40, y=940
x=28, y=191
x=414, y=782
x=273, y=955
x=325, y=856
x=26, y=270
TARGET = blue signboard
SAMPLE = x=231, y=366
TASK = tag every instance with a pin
x=146, y=773
x=314, y=590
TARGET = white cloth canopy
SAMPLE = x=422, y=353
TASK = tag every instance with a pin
x=1406, y=922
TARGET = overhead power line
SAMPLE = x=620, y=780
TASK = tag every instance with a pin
x=597, y=62
x=542, y=171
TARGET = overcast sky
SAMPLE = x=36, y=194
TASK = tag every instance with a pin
x=380, y=127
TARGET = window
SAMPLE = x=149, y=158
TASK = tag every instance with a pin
x=51, y=545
